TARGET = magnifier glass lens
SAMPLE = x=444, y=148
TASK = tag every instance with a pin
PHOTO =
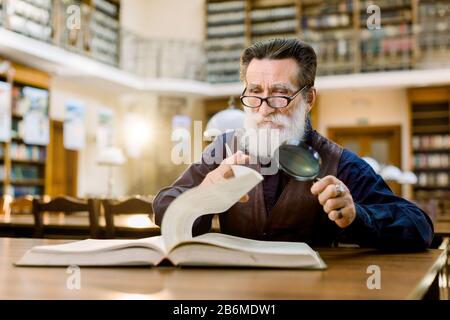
x=299, y=162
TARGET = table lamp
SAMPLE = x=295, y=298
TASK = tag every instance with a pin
x=229, y=119
x=111, y=157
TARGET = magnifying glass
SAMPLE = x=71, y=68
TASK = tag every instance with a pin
x=299, y=160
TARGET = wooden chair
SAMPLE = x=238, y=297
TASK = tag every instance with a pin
x=21, y=205
x=67, y=205
x=133, y=205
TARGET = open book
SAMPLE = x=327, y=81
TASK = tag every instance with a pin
x=176, y=243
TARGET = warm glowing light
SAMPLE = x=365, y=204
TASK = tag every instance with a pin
x=138, y=221
x=137, y=134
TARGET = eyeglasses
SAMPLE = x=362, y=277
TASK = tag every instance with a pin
x=275, y=102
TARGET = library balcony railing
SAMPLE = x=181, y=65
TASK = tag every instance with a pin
x=80, y=29
x=95, y=34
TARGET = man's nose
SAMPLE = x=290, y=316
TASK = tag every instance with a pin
x=265, y=109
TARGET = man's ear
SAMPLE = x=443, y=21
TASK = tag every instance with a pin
x=311, y=97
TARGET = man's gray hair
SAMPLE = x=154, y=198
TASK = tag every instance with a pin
x=278, y=49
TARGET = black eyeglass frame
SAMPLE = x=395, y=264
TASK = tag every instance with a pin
x=266, y=99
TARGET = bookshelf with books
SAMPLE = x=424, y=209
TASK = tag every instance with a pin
x=412, y=35
x=331, y=28
x=390, y=47
x=433, y=41
x=225, y=39
x=270, y=19
x=430, y=127
x=23, y=164
x=32, y=18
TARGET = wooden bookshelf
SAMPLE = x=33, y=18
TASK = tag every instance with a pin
x=99, y=34
x=23, y=166
x=226, y=36
x=411, y=34
x=430, y=145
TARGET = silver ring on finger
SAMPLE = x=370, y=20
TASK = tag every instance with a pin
x=339, y=189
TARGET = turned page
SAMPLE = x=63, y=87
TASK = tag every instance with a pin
x=186, y=208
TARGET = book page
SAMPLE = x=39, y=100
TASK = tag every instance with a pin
x=253, y=246
x=98, y=245
x=186, y=208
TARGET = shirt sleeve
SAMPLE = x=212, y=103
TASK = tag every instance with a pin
x=383, y=220
x=192, y=177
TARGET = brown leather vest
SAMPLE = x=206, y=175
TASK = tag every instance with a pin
x=297, y=214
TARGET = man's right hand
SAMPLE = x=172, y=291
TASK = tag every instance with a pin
x=224, y=171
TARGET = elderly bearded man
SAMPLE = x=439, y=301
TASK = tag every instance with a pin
x=351, y=202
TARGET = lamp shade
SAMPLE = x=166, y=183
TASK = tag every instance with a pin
x=226, y=120
x=111, y=156
x=373, y=163
x=408, y=177
x=391, y=173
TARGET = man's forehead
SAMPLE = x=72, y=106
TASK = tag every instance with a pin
x=276, y=85
x=282, y=73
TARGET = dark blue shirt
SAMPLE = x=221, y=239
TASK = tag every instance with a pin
x=382, y=219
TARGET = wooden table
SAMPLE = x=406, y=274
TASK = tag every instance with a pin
x=403, y=276
x=76, y=225
x=442, y=228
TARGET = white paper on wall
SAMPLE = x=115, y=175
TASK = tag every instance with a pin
x=74, y=126
x=5, y=112
x=36, y=120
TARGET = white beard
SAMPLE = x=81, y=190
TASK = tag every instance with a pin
x=262, y=138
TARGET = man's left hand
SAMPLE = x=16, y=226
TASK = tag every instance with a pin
x=336, y=200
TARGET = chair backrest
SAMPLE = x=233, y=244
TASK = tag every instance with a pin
x=22, y=205
x=67, y=205
x=131, y=205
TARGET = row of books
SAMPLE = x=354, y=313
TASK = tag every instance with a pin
x=223, y=67
x=20, y=191
x=104, y=31
x=273, y=14
x=107, y=7
x=438, y=141
x=32, y=18
x=31, y=10
x=20, y=172
x=426, y=179
x=287, y=26
x=227, y=43
x=226, y=31
x=224, y=55
x=328, y=8
x=215, y=7
x=223, y=77
x=391, y=17
x=432, y=161
x=327, y=21
x=385, y=4
x=27, y=152
x=226, y=18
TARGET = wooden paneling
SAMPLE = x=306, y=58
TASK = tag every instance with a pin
x=30, y=76
x=62, y=164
